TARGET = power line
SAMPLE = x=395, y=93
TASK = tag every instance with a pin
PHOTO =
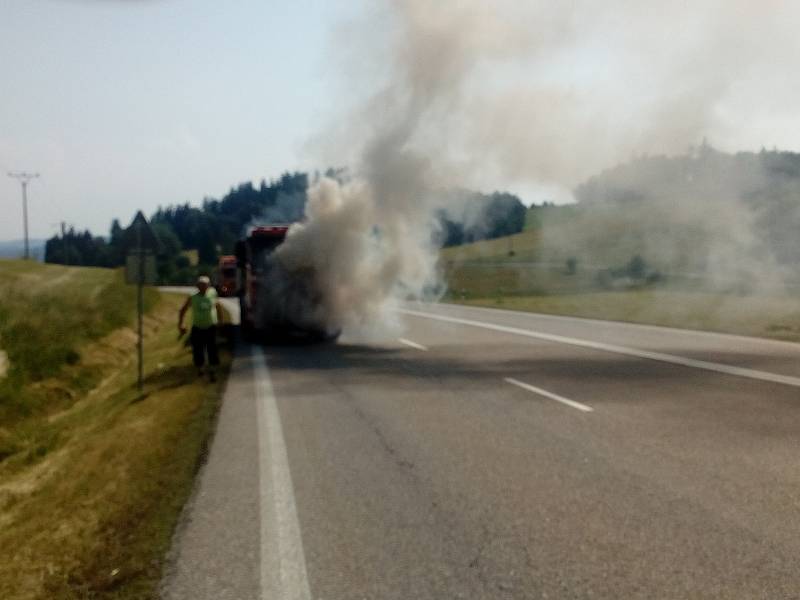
x=24, y=178
x=41, y=197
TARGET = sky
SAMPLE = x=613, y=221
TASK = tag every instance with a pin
x=133, y=104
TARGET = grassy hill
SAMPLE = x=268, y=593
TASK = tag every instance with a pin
x=93, y=474
x=525, y=246
x=514, y=272
x=518, y=247
x=46, y=313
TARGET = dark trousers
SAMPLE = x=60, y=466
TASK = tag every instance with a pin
x=204, y=340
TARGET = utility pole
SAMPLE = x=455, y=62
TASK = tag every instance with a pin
x=64, y=243
x=24, y=179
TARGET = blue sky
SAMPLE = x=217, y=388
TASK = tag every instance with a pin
x=136, y=103
x=129, y=104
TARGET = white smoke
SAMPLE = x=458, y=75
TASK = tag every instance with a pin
x=361, y=254
x=478, y=95
x=287, y=208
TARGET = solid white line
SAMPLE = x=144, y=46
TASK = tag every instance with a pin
x=412, y=344
x=283, y=563
x=659, y=356
x=546, y=394
x=749, y=339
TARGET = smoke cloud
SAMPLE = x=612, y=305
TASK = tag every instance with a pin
x=288, y=208
x=470, y=94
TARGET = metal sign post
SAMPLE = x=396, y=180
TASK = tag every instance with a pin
x=140, y=269
x=140, y=303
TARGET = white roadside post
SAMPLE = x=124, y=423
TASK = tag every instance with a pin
x=140, y=269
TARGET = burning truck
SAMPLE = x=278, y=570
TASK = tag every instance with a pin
x=277, y=303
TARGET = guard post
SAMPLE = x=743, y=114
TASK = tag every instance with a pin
x=141, y=246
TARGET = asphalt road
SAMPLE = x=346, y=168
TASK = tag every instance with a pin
x=492, y=454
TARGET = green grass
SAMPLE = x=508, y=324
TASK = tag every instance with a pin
x=501, y=278
x=89, y=510
x=521, y=246
x=548, y=216
x=484, y=274
x=525, y=246
x=770, y=317
x=46, y=313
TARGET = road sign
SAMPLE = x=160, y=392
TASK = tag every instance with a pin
x=141, y=234
x=140, y=267
x=142, y=245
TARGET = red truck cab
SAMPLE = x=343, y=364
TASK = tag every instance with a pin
x=276, y=302
x=227, y=276
x=251, y=254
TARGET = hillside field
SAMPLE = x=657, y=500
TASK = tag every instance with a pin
x=486, y=273
x=93, y=473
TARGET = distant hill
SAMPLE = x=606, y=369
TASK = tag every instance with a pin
x=731, y=218
x=728, y=222
x=703, y=174
x=16, y=248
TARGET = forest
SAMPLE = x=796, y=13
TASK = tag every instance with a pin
x=192, y=238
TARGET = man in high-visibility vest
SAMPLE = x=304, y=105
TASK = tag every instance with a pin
x=206, y=314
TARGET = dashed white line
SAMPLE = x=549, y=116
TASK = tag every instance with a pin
x=551, y=395
x=283, y=562
x=625, y=350
x=412, y=344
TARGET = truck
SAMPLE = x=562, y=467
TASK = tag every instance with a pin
x=276, y=303
x=227, y=275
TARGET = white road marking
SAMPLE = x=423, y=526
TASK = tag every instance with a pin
x=283, y=563
x=546, y=394
x=625, y=350
x=729, y=337
x=412, y=344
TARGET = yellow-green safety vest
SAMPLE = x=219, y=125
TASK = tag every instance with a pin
x=204, y=312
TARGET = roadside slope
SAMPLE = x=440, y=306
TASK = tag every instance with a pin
x=93, y=474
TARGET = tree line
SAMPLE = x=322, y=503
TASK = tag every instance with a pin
x=192, y=238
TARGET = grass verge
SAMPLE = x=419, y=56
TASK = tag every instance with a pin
x=47, y=312
x=769, y=317
x=485, y=274
x=89, y=509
